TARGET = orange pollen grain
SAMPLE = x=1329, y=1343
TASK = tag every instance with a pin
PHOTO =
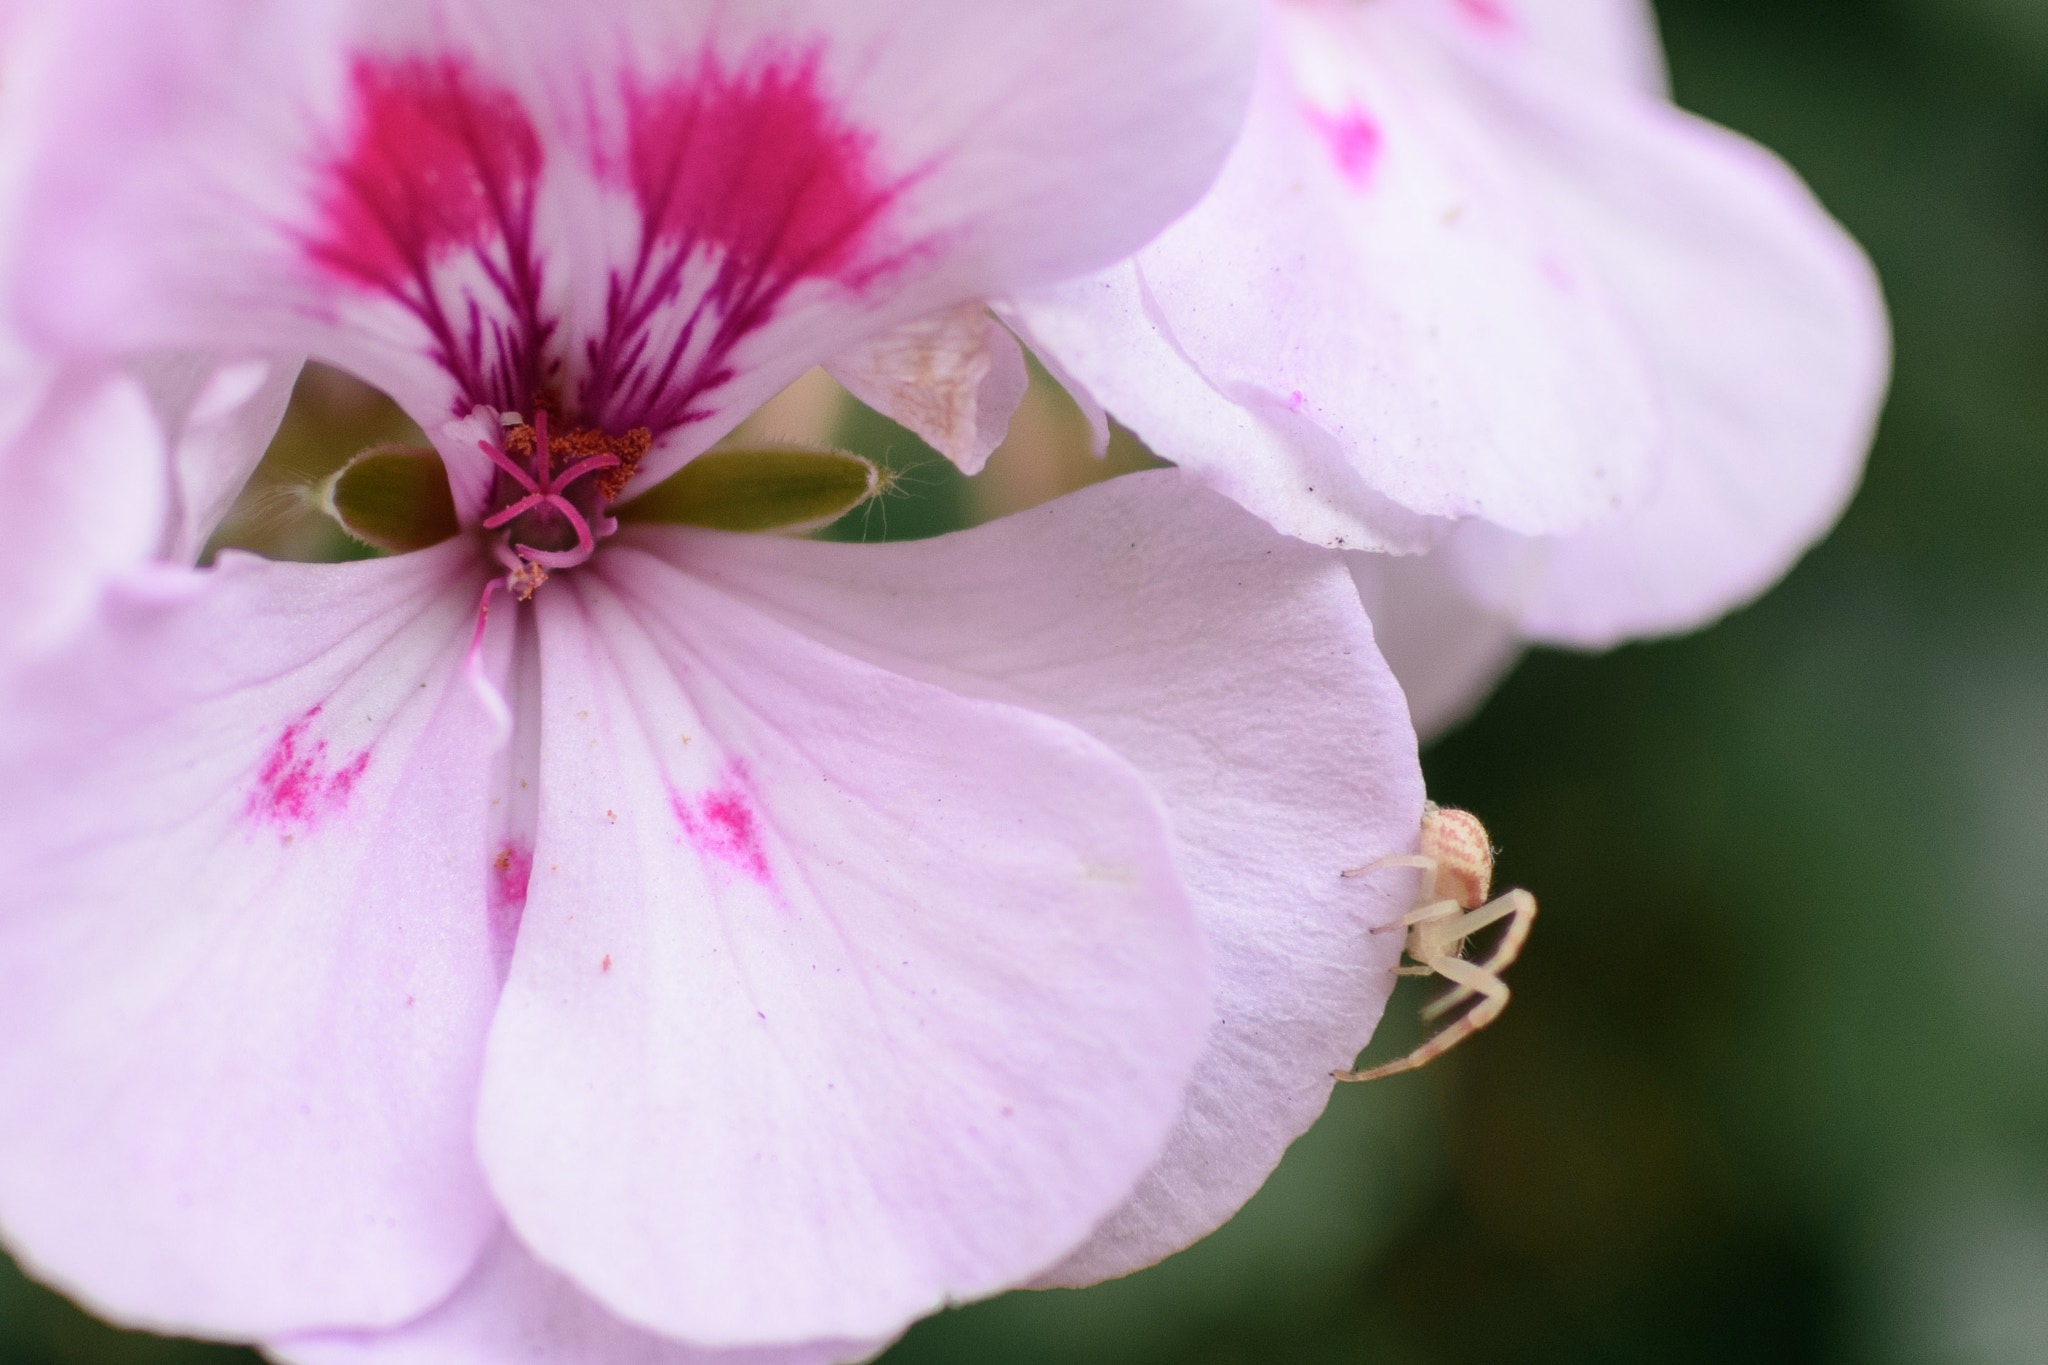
x=567, y=447
x=525, y=580
x=584, y=442
x=517, y=441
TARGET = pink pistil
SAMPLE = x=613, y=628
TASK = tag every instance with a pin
x=586, y=543
x=546, y=488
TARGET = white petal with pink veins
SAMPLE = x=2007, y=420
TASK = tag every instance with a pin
x=953, y=377
x=513, y=1310
x=655, y=214
x=1612, y=41
x=244, y=960
x=837, y=995
x=1371, y=275
x=1509, y=286
x=1765, y=335
x=1236, y=671
x=1107, y=330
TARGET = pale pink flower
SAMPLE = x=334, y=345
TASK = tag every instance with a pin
x=818, y=933
x=1470, y=285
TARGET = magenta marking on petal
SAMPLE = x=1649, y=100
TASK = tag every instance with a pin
x=296, y=787
x=749, y=180
x=505, y=894
x=439, y=162
x=755, y=178
x=722, y=824
x=1353, y=139
x=760, y=165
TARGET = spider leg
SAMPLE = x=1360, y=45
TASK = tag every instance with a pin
x=1419, y=860
x=1425, y=887
x=1523, y=907
x=1471, y=977
x=1433, y=910
x=1519, y=904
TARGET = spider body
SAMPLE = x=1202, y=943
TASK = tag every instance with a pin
x=1456, y=862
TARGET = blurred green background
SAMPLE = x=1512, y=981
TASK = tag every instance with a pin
x=1774, y=1086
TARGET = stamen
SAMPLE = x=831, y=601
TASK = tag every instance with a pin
x=540, y=446
x=525, y=504
x=505, y=462
x=627, y=449
x=582, y=467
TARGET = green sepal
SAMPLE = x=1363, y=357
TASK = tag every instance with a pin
x=764, y=488
x=394, y=498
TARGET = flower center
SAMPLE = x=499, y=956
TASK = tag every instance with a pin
x=550, y=495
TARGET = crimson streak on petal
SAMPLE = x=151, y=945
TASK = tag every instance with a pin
x=747, y=182
x=747, y=185
x=442, y=163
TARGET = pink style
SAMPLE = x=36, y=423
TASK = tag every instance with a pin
x=715, y=947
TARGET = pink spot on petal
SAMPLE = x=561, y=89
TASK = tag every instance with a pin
x=1558, y=273
x=296, y=786
x=723, y=826
x=505, y=895
x=1353, y=139
x=1487, y=14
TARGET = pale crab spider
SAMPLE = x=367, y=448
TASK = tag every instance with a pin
x=1456, y=862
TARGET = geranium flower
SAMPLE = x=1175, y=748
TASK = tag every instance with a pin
x=602, y=943
x=1470, y=285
